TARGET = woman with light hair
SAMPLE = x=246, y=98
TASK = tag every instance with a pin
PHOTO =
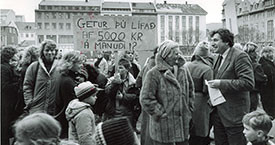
x=40, y=80
x=167, y=95
x=69, y=66
x=38, y=129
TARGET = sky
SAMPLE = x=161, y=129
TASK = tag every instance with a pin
x=27, y=7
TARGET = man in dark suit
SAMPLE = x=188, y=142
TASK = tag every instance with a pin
x=233, y=75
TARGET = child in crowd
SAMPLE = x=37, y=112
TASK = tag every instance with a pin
x=257, y=124
x=80, y=116
x=39, y=129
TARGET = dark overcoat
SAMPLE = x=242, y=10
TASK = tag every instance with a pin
x=237, y=79
x=200, y=71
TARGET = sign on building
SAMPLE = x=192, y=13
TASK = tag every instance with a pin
x=115, y=33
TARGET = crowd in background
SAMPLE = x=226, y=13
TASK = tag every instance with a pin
x=47, y=99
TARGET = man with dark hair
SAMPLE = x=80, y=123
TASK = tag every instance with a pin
x=233, y=76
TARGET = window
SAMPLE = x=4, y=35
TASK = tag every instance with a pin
x=61, y=25
x=183, y=22
x=40, y=38
x=39, y=25
x=270, y=30
x=49, y=7
x=68, y=26
x=53, y=26
x=170, y=25
x=76, y=8
x=54, y=15
x=22, y=34
x=60, y=15
x=32, y=35
x=67, y=15
x=39, y=15
x=70, y=7
x=65, y=39
x=47, y=16
x=177, y=29
x=162, y=28
x=51, y=37
x=47, y=26
x=27, y=35
x=197, y=35
x=190, y=31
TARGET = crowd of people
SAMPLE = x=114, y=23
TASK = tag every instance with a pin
x=65, y=100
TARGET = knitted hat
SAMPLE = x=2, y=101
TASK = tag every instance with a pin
x=85, y=90
x=202, y=49
x=117, y=131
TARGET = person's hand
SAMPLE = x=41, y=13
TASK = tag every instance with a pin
x=117, y=79
x=214, y=83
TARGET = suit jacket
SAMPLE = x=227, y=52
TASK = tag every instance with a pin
x=237, y=79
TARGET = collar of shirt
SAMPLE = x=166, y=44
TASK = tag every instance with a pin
x=224, y=55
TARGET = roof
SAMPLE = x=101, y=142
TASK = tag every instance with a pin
x=145, y=6
x=116, y=5
x=5, y=11
x=187, y=9
x=69, y=3
x=25, y=27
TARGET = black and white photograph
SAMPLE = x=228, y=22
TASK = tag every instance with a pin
x=137, y=72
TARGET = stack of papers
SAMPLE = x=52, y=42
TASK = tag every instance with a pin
x=215, y=95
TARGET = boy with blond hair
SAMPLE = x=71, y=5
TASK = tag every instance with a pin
x=257, y=124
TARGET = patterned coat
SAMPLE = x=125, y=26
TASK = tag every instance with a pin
x=162, y=93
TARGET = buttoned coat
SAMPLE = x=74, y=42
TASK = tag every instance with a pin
x=237, y=79
x=163, y=92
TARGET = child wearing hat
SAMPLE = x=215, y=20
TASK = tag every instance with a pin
x=257, y=124
x=80, y=116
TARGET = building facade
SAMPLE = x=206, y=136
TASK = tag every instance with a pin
x=26, y=33
x=54, y=20
x=184, y=23
x=255, y=21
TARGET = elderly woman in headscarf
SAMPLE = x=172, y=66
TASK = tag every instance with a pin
x=200, y=69
x=40, y=80
x=167, y=96
x=260, y=78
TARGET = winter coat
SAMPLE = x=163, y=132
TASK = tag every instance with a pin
x=125, y=105
x=169, y=101
x=9, y=89
x=200, y=72
x=268, y=143
x=65, y=93
x=40, y=97
x=145, y=138
x=268, y=91
x=81, y=122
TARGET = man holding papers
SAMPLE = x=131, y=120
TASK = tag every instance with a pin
x=233, y=76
